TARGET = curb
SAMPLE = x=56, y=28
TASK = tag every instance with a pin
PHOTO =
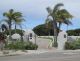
x=37, y=52
x=4, y=55
x=9, y=55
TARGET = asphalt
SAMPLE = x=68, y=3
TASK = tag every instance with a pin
x=47, y=56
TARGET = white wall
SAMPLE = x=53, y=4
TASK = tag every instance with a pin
x=70, y=38
x=73, y=38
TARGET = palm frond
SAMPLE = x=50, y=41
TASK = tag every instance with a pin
x=67, y=22
x=57, y=6
x=17, y=15
x=66, y=14
x=49, y=10
x=11, y=11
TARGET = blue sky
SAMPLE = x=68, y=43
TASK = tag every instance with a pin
x=34, y=11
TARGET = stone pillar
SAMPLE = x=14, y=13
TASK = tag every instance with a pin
x=61, y=39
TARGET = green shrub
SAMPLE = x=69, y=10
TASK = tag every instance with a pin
x=77, y=43
x=15, y=45
x=22, y=46
x=31, y=46
x=70, y=46
x=73, y=45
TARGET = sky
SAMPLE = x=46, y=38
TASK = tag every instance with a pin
x=34, y=11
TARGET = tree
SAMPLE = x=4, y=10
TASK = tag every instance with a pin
x=63, y=16
x=17, y=19
x=49, y=25
x=21, y=32
x=59, y=16
x=43, y=30
x=18, y=31
x=8, y=20
x=12, y=17
x=40, y=30
x=74, y=32
x=52, y=13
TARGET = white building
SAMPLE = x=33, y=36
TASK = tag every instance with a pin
x=29, y=35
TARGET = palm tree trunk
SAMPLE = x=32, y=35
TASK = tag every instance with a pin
x=55, y=33
x=15, y=27
x=59, y=26
x=49, y=32
x=10, y=30
x=21, y=34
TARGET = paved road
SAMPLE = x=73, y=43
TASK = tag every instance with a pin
x=49, y=56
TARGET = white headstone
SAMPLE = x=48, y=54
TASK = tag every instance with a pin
x=61, y=39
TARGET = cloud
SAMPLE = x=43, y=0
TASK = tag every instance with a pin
x=38, y=7
x=35, y=10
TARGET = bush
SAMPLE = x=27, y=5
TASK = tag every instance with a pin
x=2, y=37
x=70, y=46
x=22, y=46
x=15, y=45
x=31, y=46
x=73, y=45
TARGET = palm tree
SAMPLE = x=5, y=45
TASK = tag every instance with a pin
x=9, y=16
x=63, y=16
x=52, y=13
x=17, y=19
x=21, y=32
x=49, y=25
x=59, y=16
x=12, y=17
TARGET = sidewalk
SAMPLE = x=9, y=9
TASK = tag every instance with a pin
x=26, y=52
x=10, y=53
x=19, y=52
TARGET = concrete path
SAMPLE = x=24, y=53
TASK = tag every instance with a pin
x=42, y=43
